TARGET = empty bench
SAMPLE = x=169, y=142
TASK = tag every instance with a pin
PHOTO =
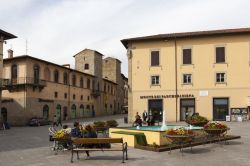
x=79, y=142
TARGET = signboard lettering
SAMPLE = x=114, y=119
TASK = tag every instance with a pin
x=167, y=96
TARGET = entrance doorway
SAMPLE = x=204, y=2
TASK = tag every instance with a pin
x=187, y=108
x=156, y=107
x=220, y=108
x=4, y=115
x=46, y=112
x=65, y=113
x=58, y=111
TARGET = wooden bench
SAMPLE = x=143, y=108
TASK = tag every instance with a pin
x=77, y=146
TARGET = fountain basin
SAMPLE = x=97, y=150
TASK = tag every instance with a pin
x=154, y=134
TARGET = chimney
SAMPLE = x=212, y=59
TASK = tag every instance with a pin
x=10, y=53
x=66, y=65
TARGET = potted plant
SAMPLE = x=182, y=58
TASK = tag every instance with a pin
x=180, y=135
x=197, y=120
x=111, y=123
x=215, y=128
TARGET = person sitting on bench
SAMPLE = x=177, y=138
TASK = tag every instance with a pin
x=90, y=133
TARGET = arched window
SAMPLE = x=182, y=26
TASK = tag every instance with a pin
x=74, y=80
x=14, y=73
x=47, y=74
x=56, y=76
x=58, y=111
x=81, y=82
x=81, y=111
x=73, y=111
x=46, y=111
x=88, y=83
x=36, y=70
x=65, y=78
x=86, y=66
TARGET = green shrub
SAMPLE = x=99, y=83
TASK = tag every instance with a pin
x=99, y=124
x=111, y=123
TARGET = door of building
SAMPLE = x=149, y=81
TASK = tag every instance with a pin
x=220, y=108
x=155, y=107
x=187, y=108
x=4, y=115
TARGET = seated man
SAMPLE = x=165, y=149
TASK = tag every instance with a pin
x=151, y=121
x=76, y=132
x=138, y=121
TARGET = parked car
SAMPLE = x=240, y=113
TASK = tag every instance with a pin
x=38, y=122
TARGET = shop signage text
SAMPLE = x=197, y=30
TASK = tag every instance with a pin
x=167, y=96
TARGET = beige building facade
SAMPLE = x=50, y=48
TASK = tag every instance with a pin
x=34, y=87
x=3, y=37
x=204, y=72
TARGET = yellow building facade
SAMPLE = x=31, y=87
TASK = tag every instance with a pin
x=204, y=72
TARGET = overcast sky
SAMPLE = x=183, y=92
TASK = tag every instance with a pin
x=58, y=29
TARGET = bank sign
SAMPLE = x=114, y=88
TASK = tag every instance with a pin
x=167, y=96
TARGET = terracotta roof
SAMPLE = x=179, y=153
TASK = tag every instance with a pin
x=188, y=34
x=43, y=61
x=6, y=35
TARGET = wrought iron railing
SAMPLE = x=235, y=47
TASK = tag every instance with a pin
x=96, y=93
x=23, y=81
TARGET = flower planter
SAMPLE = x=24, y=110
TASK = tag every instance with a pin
x=180, y=138
x=200, y=124
x=216, y=131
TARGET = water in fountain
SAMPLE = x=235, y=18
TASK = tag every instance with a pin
x=138, y=127
x=163, y=125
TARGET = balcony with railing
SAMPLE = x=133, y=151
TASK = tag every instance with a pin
x=96, y=93
x=16, y=83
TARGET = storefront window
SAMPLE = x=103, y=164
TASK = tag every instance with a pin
x=187, y=108
x=220, y=108
x=155, y=108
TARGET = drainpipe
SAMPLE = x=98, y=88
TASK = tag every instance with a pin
x=69, y=96
x=176, y=88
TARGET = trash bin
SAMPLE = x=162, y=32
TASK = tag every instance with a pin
x=125, y=119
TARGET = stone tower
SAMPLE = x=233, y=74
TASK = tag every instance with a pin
x=112, y=71
x=89, y=61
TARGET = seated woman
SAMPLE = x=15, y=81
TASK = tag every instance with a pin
x=138, y=121
x=90, y=133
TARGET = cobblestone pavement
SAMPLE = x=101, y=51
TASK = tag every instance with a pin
x=29, y=146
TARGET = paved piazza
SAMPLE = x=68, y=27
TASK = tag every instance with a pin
x=29, y=146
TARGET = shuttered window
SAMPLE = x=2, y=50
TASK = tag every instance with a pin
x=155, y=58
x=220, y=54
x=187, y=56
